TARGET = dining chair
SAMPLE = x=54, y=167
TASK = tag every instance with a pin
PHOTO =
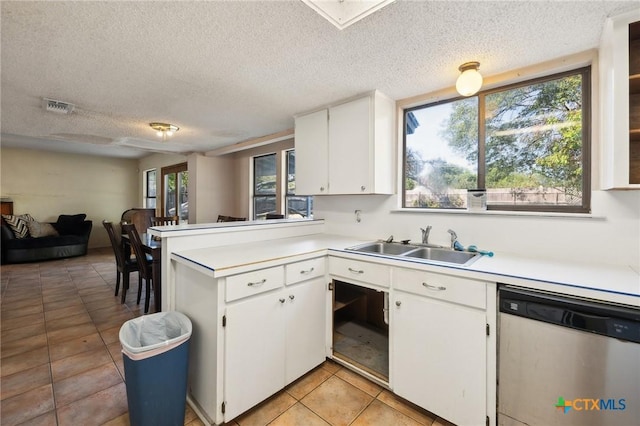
x=164, y=220
x=144, y=266
x=125, y=264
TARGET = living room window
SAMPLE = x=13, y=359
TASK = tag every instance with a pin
x=150, y=189
x=175, y=180
x=296, y=206
x=527, y=144
x=274, y=184
x=264, y=185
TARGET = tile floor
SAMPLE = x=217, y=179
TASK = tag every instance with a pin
x=61, y=362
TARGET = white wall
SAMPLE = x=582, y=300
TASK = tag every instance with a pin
x=47, y=184
x=211, y=187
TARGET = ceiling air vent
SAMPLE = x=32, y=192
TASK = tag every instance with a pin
x=57, y=106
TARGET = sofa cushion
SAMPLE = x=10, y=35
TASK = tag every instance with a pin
x=18, y=224
x=68, y=224
x=41, y=229
x=37, y=243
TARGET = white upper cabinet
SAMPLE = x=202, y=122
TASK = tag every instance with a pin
x=620, y=101
x=347, y=148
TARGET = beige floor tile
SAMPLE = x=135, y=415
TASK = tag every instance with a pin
x=85, y=384
x=68, y=321
x=378, y=413
x=95, y=409
x=76, y=364
x=8, y=314
x=9, y=324
x=71, y=333
x=24, y=361
x=26, y=406
x=421, y=416
x=63, y=308
x=111, y=335
x=24, y=381
x=308, y=382
x=75, y=346
x=359, y=382
x=267, y=411
x=47, y=419
x=298, y=415
x=29, y=330
x=442, y=422
x=23, y=345
x=322, y=401
x=333, y=367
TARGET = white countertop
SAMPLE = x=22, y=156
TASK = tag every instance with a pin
x=605, y=282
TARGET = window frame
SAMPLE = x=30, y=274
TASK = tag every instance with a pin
x=176, y=169
x=287, y=193
x=584, y=208
x=254, y=193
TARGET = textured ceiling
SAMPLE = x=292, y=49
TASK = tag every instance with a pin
x=228, y=71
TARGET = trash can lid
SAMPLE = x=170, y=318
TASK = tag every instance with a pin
x=150, y=332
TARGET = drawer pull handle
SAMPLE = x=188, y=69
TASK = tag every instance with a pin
x=257, y=283
x=308, y=271
x=291, y=296
x=398, y=303
x=356, y=271
x=281, y=300
x=434, y=287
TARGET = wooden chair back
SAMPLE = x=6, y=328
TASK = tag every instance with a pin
x=144, y=268
x=222, y=218
x=116, y=243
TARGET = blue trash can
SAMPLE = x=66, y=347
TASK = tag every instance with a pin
x=155, y=350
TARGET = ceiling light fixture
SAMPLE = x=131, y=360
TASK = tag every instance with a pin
x=164, y=130
x=470, y=79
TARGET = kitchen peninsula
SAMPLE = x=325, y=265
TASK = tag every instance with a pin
x=263, y=288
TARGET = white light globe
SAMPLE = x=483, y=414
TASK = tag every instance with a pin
x=469, y=82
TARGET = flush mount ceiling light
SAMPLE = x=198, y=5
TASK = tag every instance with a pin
x=470, y=79
x=164, y=130
x=343, y=13
x=59, y=107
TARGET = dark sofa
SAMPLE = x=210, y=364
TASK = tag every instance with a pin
x=73, y=240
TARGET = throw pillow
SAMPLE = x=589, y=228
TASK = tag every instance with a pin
x=18, y=224
x=38, y=229
x=68, y=224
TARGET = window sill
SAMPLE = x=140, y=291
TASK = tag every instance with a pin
x=499, y=213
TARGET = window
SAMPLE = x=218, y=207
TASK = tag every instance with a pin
x=527, y=144
x=295, y=206
x=150, y=189
x=264, y=186
x=175, y=180
x=274, y=185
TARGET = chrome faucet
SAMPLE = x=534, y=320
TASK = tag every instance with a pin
x=390, y=239
x=425, y=234
x=454, y=238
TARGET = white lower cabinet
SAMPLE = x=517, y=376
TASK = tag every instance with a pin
x=273, y=338
x=439, y=350
x=254, y=350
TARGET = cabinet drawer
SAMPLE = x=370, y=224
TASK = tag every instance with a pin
x=361, y=271
x=255, y=282
x=444, y=287
x=305, y=270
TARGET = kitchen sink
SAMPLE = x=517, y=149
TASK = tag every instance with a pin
x=442, y=255
x=417, y=252
x=392, y=249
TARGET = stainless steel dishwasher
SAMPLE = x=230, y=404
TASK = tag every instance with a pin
x=566, y=361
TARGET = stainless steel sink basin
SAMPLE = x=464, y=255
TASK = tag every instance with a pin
x=442, y=255
x=392, y=249
x=414, y=251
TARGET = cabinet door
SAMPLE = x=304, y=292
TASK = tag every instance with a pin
x=350, y=147
x=439, y=357
x=254, y=352
x=312, y=153
x=305, y=327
